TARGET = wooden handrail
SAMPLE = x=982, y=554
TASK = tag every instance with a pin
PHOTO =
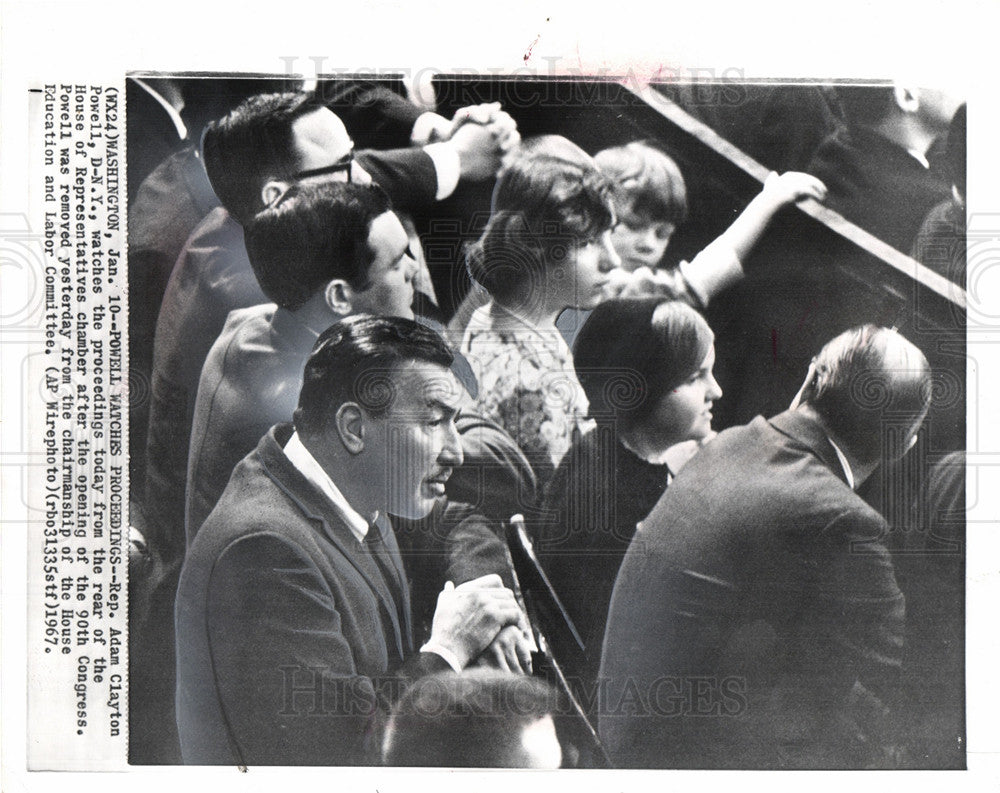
x=895, y=259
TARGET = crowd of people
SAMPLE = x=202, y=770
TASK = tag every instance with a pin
x=325, y=472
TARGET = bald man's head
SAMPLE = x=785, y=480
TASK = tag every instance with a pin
x=872, y=389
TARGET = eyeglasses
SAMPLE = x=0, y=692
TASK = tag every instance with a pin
x=344, y=164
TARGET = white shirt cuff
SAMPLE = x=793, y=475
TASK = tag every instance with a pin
x=711, y=271
x=447, y=166
x=424, y=127
x=445, y=653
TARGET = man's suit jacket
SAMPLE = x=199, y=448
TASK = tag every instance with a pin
x=780, y=126
x=251, y=381
x=168, y=206
x=756, y=620
x=290, y=641
x=877, y=184
x=211, y=278
x=376, y=116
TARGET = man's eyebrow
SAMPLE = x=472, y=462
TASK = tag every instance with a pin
x=437, y=404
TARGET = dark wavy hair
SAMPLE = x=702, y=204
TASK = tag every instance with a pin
x=632, y=351
x=353, y=361
x=549, y=200
x=311, y=235
x=251, y=144
x=473, y=719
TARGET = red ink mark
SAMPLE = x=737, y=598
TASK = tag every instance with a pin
x=774, y=344
x=527, y=55
x=806, y=313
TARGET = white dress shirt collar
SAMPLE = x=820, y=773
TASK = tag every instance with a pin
x=920, y=157
x=843, y=462
x=300, y=457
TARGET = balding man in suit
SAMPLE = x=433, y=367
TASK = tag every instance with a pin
x=756, y=621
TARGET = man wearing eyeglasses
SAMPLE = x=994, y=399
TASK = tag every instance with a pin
x=294, y=622
x=252, y=155
x=756, y=621
x=322, y=251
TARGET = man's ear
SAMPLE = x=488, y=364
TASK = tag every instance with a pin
x=272, y=190
x=907, y=97
x=350, y=423
x=338, y=295
x=808, y=383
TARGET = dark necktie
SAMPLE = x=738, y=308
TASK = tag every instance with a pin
x=382, y=556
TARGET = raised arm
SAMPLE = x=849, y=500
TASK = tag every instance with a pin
x=721, y=264
x=779, y=191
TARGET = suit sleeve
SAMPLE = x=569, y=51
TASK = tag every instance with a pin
x=837, y=165
x=475, y=547
x=496, y=476
x=287, y=677
x=375, y=116
x=454, y=544
x=407, y=175
x=864, y=623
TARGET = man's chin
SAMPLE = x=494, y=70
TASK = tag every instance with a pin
x=416, y=510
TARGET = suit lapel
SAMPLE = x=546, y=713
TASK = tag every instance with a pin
x=315, y=507
x=806, y=432
x=384, y=527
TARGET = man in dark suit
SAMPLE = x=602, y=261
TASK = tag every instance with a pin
x=294, y=630
x=876, y=169
x=252, y=156
x=162, y=212
x=756, y=621
x=324, y=252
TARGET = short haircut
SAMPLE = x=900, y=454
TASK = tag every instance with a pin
x=311, y=235
x=251, y=144
x=549, y=199
x=648, y=185
x=867, y=381
x=473, y=719
x=354, y=360
x=207, y=99
x=632, y=351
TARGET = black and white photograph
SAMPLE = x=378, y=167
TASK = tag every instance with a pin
x=598, y=414
x=541, y=423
